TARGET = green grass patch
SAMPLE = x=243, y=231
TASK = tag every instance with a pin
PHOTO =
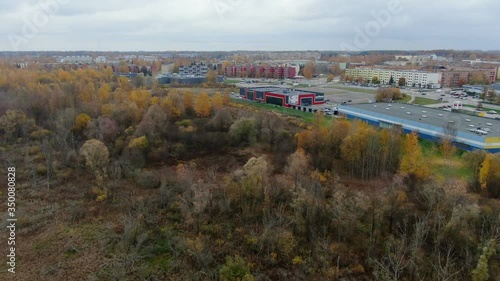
x=425, y=101
x=306, y=116
x=429, y=148
x=451, y=168
x=405, y=99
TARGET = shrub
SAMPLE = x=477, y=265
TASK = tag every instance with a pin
x=235, y=269
x=243, y=131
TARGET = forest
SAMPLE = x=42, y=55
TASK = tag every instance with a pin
x=120, y=179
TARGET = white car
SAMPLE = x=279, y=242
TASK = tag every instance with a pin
x=482, y=132
x=492, y=112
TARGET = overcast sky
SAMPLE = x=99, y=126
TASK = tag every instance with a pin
x=198, y=25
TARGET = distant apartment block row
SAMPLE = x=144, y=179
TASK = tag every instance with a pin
x=443, y=78
x=413, y=78
x=258, y=71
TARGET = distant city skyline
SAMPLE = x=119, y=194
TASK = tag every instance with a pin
x=254, y=25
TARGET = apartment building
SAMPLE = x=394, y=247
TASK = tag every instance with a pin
x=413, y=78
x=193, y=70
x=455, y=77
x=257, y=71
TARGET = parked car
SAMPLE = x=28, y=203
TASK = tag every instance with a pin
x=492, y=112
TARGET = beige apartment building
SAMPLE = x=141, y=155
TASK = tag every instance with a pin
x=413, y=78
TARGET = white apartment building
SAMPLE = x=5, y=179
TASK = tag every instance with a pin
x=75, y=59
x=193, y=70
x=413, y=78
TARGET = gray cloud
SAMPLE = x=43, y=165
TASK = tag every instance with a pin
x=247, y=24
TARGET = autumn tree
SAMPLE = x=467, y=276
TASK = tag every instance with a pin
x=16, y=124
x=461, y=82
x=81, y=122
x=173, y=104
x=447, y=147
x=375, y=80
x=141, y=98
x=96, y=157
x=388, y=94
x=104, y=129
x=243, y=131
x=298, y=167
x=473, y=161
x=402, y=82
x=330, y=78
x=226, y=98
x=153, y=123
x=212, y=77
x=123, y=67
x=308, y=70
x=336, y=70
x=489, y=175
x=413, y=165
x=478, y=78
x=217, y=102
x=361, y=151
x=202, y=105
x=268, y=126
x=188, y=102
x=222, y=120
x=391, y=141
x=222, y=70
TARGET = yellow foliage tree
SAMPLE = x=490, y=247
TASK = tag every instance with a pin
x=141, y=98
x=188, y=101
x=104, y=93
x=489, y=175
x=448, y=150
x=81, y=122
x=140, y=143
x=88, y=92
x=412, y=163
x=169, y=106
x=226, y=98
x=202, y=106
x=217, y=102
x=64, y=76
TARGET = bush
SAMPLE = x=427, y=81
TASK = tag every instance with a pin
x=76, y=211
x=235, y=269
x=243, y=131
x=388, y=94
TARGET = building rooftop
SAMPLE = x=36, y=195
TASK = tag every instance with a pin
x=404, y=113
x=284, y=91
